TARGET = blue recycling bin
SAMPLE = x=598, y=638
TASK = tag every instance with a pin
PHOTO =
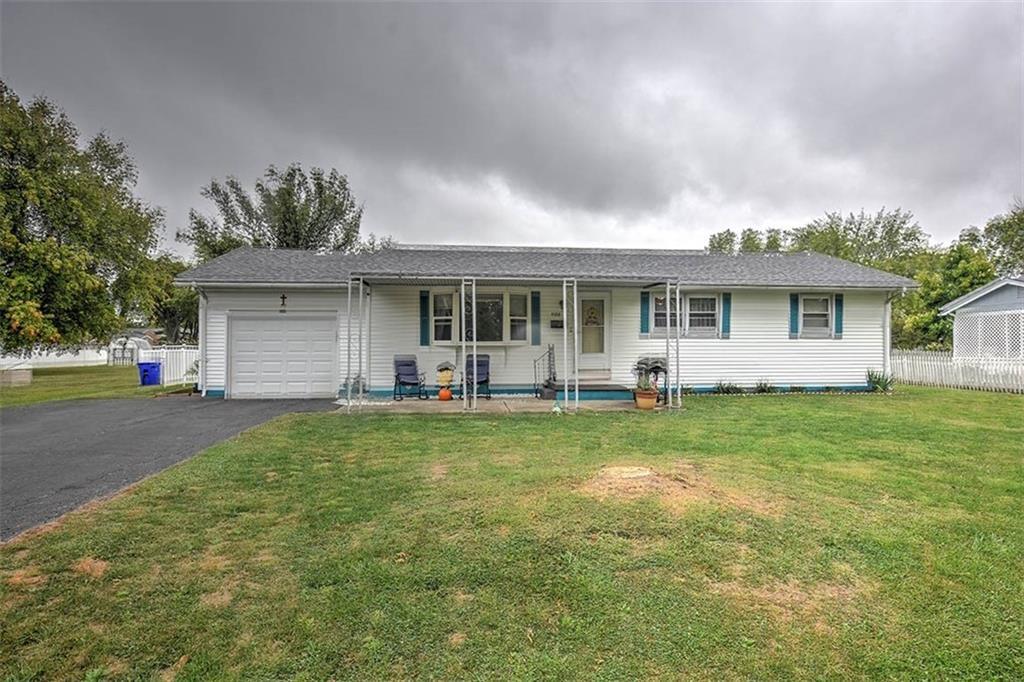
x=149, y=373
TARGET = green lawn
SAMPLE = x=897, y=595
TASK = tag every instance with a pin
x=64, y=383
x=805, y=536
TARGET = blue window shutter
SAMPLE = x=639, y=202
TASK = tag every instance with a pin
x=424, y=318
x=726, y=314
x=645, y=312
x=794, y=316
x=838, y=331
x=534, y=318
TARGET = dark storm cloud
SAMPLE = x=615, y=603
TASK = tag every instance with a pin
x=557, y=123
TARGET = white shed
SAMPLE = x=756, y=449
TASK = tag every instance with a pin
x=989, y=321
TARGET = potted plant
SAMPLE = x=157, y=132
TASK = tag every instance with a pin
x=646, y=392
x=647, y=371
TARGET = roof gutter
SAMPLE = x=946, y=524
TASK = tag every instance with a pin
x=262, y=285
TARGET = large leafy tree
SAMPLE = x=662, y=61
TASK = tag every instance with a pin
x=1003, y=238
x=173, y=308
x=289, y=209
x=751, y=241
x=949, y=275
x=74, y=240
x=886, y=239
x=722, y=242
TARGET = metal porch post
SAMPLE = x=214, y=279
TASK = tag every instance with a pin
x=565, y=342
x=369, y=336
x=668, y=339
x=679, y=333
x=359, y=371
x=348, y=347
x=576, y=343
x=476, y=326
x=462, y=329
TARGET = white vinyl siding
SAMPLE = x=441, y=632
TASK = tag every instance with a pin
x=759, y=345
x=222, y=304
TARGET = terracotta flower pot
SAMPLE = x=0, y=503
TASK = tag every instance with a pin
x=645, y=400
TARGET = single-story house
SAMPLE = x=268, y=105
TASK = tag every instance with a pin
x=989, y=321
x=286, y=323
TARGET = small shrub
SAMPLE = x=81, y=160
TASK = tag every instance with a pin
x=797, y=389
x=686, y=389
x=727, y=388
x=880, y=382
x=764, y=386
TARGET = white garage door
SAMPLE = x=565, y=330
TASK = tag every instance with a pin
x=284, y=356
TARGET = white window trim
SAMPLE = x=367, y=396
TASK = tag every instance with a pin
x=703, y=334
x=506, y=325
x=659, y=332
x=830, y=330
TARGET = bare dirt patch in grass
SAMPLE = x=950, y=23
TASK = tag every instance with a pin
x=792, y=599
x=438, y=471
x=218, y=599
x=677, y=489
x=26, y=577
x=214, y=562
x=457, y=639
x=170, y=673
x=90, y=566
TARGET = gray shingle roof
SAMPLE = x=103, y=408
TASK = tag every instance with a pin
x=691, y=268
x=287, y=266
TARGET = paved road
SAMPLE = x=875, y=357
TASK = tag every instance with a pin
x=56, y=456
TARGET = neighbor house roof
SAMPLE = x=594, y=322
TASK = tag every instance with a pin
x=971, y=296
x=412, y=262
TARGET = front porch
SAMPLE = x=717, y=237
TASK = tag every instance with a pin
x=498, y=404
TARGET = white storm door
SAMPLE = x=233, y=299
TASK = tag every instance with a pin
x=283, y=356
x=595, y=331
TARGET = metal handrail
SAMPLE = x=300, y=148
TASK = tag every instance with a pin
x=549, y=357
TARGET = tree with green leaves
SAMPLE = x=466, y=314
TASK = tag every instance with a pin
x=951, y=274
x=722, y=242
x=1003, y=239
x=74, y=240
x=173, y=308
x=886, y=239
x=751, y=241
x=774, y=239
x=290, y=209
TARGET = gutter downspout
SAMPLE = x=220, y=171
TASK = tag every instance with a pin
x=203, y=301
x=887, y=331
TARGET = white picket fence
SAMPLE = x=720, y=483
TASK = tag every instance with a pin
x=934, y=368
x=80, y=358
x=176, y=363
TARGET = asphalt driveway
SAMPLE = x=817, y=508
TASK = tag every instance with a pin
x=56, y=456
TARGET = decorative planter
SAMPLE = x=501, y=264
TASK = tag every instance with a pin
x=645, y=400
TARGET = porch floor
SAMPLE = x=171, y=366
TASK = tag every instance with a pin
x=496, y=405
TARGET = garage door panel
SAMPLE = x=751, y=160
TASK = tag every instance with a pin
x=280, y=356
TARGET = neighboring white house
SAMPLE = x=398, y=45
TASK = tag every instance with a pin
x=275, y=323
x=989, y=321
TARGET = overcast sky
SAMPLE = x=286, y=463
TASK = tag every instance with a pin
x=575, y=124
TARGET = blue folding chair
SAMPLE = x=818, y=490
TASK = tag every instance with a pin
x=481, y=375
x=408, y=379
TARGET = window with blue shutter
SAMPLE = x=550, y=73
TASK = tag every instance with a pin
x=838, y=330
x=424, y=318
x=534, y=318
x=726, y=315
x=645, y=312
x=794, y=316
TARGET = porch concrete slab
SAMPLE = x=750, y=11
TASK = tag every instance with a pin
x=496, y=405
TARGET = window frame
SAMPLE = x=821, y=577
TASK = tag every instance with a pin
x=687, y=330
x=703, y=332
x=818, y=332
x=671, y=321
x=506, y=317
x=433, y=318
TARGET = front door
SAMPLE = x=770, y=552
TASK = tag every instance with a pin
x=595, y=314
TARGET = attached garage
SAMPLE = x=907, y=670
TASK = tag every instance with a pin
x=282, y=355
